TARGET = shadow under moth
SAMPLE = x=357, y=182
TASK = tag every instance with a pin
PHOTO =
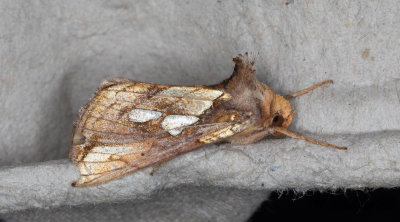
x=130, y=125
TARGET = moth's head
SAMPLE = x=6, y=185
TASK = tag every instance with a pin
x=281, y=112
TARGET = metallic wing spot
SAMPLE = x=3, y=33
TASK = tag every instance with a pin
x=126, y=149
x=97, y=157
x=197, y=107
x=113, y=149
x=142, y=115
x=220, y=134
x=98, y=168
x=179, y=106
x=174, y=123
x=175, y=132
x=191, y=92
x=86, y=179
x=83, y=169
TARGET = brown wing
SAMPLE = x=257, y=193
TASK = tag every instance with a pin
x=129, y=125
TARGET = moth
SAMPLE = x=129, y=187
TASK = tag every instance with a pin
x=130, y=125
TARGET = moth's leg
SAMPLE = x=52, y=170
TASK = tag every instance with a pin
x=309, y=89
x=244, y=140
x=158, y=166
x=299, y=136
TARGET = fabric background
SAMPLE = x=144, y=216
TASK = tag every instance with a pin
x=54, y=54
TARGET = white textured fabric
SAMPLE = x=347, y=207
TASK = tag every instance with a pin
x=55, y=53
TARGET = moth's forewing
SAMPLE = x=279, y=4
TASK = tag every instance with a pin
x=129, y=125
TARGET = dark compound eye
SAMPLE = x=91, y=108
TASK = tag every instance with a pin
x=277, y=120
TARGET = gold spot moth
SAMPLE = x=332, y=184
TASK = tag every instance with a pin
x=130, y=125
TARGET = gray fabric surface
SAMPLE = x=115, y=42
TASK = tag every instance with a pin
x=272, y=164
x=53, y=55
x=187, y=203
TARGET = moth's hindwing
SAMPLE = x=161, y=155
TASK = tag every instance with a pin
x=129, y=125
